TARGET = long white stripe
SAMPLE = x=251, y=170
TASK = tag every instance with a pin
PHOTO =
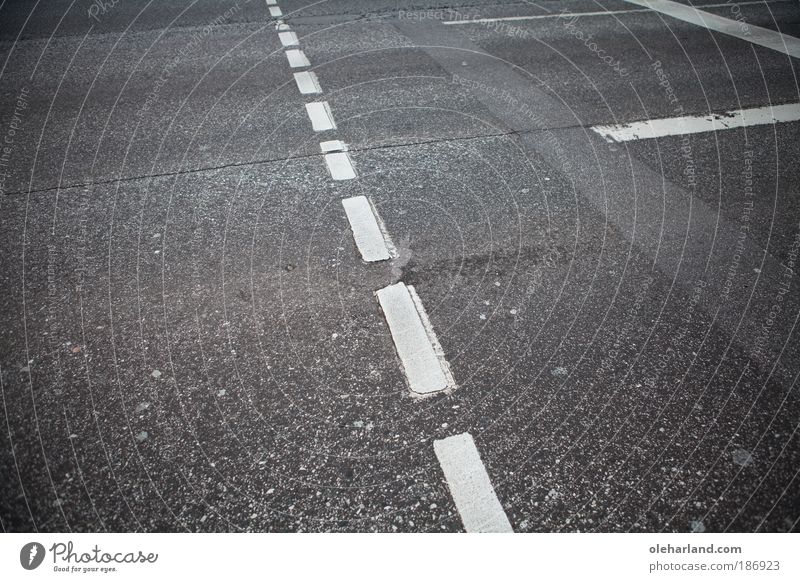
x=372, y=241
x=288, y=38
x=340, y=166
x=691, y=124
x=765, y=37
x=275, y=11
x=307, y=82
x=469, y=484
x=321, y=116
x=297, y=58
x=569, y=15
x=423, y=363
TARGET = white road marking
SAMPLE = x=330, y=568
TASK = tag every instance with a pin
x=297, y=58
x=275, y=11
x=569, y=15
x=423, y=362
x=272, y=2
x=765, y=37
x=469, y=484
x=307, y=82
x=697, y=124
x=333, y=146
x=372, y=241
x=281, y=26
x=320, y=115
x=340, y=166
x=288, y=38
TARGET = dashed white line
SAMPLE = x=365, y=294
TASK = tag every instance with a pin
x=275, y=11
x=281, y=26
x=333, y=145
x=570, y=15
x=288, y=38
x=297, y=58
x=697, y=124
x=423, y=362
x=340, y=166
x=372, y=241
x=307, y=82
x=765, y=37
x=272, y=2
x=320, y=115
x=469, y=484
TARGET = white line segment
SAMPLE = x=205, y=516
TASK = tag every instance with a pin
x=372, y=241
x=288, y=38
x=307, y=82
x=275, y=11
x=340, y=166
x=320, y=115
x=419, y=351
x=765, y=37
x=297, y=58
x=469, y=484
x=272, y=2
x=697, y=124
x=333, y=146
x=570, y=15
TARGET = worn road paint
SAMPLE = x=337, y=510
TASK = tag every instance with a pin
x=297, y=58
x=425, y=368
x=288, y=38
x=372, y=241
x=307, y=82
x=697, y=124
x=320, y=115
x=340, y=166
x=469, y=484
x=333, y=145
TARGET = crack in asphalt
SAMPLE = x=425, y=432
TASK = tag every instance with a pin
x=79, y=185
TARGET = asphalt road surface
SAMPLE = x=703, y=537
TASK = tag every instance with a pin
x=589, y=320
